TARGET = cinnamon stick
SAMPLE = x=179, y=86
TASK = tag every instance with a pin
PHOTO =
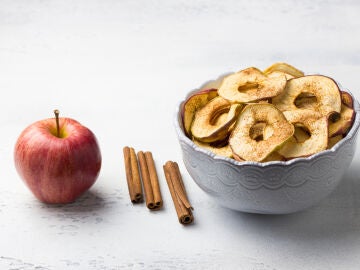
x=154, y=180
x=132, y=175
x=178, y=194
x=150, y=181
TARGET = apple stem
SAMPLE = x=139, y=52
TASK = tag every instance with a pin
x=56, y=112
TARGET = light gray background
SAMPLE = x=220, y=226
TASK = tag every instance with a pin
x=120, y=68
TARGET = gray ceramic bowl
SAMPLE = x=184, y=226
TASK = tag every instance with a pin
x=276, y=187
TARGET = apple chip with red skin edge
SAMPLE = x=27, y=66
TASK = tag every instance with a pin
x=347, y=99
x=192, y=104
x=316, y=125
x=325, y=90
x=213, y=121
x=343, y=123
x=279, y=131
x=251, y=85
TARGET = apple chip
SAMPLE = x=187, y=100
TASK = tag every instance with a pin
x=286, y=114
x=213, y=121
x=343, y=123
x=316, y=126
x=334, y=140
x=250, y=85
x=279, y=130
x=192, y=104
x=220, y=150
x=274, y=156
x=325, y=90
x=289, y=71
x=347, y=99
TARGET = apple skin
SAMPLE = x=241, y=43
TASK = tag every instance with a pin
x=57, y=169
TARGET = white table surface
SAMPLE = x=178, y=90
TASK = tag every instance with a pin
x=120, y=68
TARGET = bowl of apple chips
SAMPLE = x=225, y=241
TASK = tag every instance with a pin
x=270, y=141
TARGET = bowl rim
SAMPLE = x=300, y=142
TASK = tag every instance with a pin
x=181, y=134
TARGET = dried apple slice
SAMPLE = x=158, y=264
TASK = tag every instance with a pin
x=334, y=140
x=325, y=90
x=343, y=123
x=250, y=85
x=317, y=128
x=279, y=130
x=347, y=99
x=274, y=156
x=192, y=104
x=223, y=150
x=289, y=70
x=278, y=73
x=213, y=121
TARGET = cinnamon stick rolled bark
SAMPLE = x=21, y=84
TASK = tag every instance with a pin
x=178, y=194
x=154, y=180
x=150, y=181
x=132, y=175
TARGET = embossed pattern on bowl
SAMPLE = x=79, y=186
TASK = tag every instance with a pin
x=276, y=187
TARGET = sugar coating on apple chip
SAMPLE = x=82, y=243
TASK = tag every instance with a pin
x=258, y=148
x=325, y=90
x=250, y=85
x=289, y=71
x=213, y=121
x=315, y=125
x=192, y=104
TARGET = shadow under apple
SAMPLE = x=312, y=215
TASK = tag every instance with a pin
x=91, y=200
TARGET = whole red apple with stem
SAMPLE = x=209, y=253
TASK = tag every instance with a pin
x=58, y=159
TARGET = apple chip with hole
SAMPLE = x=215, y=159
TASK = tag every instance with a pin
x=289, y=71
x=323, y=89
x=251, y=85
x=193, y=103
x=311, y=134
x=286, y=115
x=213, y=121
x=258, y=148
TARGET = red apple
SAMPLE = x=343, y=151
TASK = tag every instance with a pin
x=58, y=159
